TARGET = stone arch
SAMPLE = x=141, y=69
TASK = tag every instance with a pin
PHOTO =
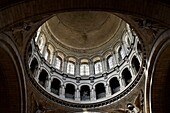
x=114, y=85
x=34, y=66
x=100, y=90
x=55, y=86
x=43, y=77
x=85, y=93
x=70, y=91
x=135, y=64
x=126, y=76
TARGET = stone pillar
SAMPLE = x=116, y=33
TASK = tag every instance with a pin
x=48, y=84
x=115, y=58
x=125, y=48
x=108, y=90
x=77, y=94
x=91, y=68
x=62, y=91
x=53, y=59
x=65, y=66
x=104, y=65
x=77, y=66
x=132, y=71
x=38, y=74
x=122, y=83
x=93, y=94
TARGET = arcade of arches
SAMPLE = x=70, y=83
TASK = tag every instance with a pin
x=91, y=56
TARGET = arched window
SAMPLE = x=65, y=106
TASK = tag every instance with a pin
x=47, y=55
x=55, y=86
x=121, y=54
x=100, y=91
x=98, y=67
x=84, y=69
x=41, y=42
x=114, y=85
x=43, y=77
x=58, y=63
x=70, y=91
x=127, y=77
x=85, y=93
x=70, y=67
x=34, y=66
x=110, y=61
x=135, y=64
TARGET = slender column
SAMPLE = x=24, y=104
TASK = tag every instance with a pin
x=77, y=69
x=104, y=65
x=115, y=56
x=38, y=74
x=53, y=59
x=77, y=94
x=125, y=48
x=132, y=71
x=108, y=90
x=122, y=83
x=65, y=65
x=91, y=68
x=48, y=84
x=62, y=91
x=93, y=94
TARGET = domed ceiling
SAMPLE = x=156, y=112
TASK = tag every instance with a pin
x=85, y=31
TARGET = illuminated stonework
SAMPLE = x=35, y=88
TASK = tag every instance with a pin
x=86, y=81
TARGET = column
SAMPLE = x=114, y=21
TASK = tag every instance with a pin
x=125, y=48
x=93, y=94
x=77, y=94
x=77, y=66
x=53, y=59
x=65, y=66
x=91, y=68
x=62, y=91
x=122, y=83
x=115, y=58
x=48, y=84
x=104, y=65
x=108, y=90
x=38, y=74
x=132, y=71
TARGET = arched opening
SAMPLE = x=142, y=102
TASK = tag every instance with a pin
x=100, y=91
x=34, y=67
x=55, y=86
x=58, y=63
x=135, y=64
x=110, y=62
x=85, y=93
x=43, y=77
x=126, y=76
x=114, y=85
x=70, y=91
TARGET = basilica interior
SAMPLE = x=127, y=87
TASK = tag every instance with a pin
x=90, y=56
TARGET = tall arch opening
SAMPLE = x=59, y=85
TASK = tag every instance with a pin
x=55, y=86
x=135, y=64
x=114, y=85
x=70, y=91
x=100, y=91
x=85, y=93
x=126, y=76
x=43, y=77
x=34, y=67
